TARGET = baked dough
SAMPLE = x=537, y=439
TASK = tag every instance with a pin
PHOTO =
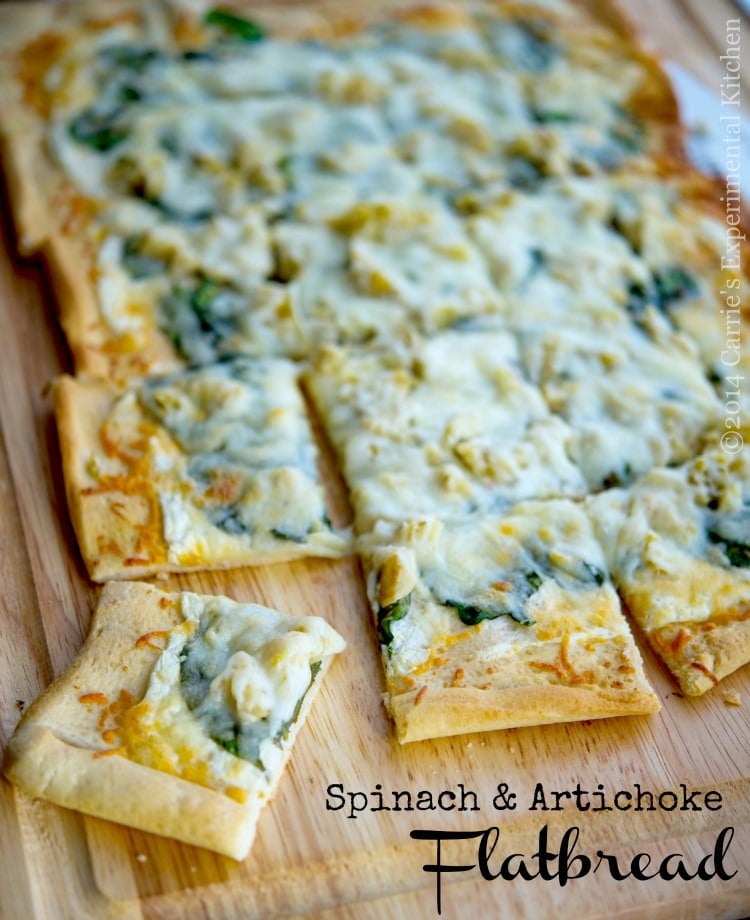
x=471, y=226
x=104, y=740
x=677, y=546
x=210, y=467
x=500, y=622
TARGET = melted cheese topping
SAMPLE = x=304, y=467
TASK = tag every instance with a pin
x=532, y=576
x=223, y=698
x=447, y=427
x=386, y=141
x=677, y=540
x=632, y=403
x=229, y=454
x=457, y=221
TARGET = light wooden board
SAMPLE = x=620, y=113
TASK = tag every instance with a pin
x=310, y=860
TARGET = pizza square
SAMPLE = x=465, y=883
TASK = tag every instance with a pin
x=500, y=622
x=178, y=715
x=632, y=401
x=445, y=426
x=611, y=250
x=678, y=545
x=210, y=467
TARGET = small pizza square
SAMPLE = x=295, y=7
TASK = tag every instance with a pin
x=678, y=543
x=210, y=467
x=633, y=402
x=178, y=715
x=499, y=623
x=444, y=426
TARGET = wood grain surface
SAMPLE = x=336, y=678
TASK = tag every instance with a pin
x=309, y=860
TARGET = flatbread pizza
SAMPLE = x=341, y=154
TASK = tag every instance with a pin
x=215, y=172
x=209, y=467
x=472, y=231
x=178, y=715
x=500, y=622
x=678, y=551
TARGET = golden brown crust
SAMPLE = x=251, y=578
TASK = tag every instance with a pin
x=607, y=26
x=117, y=516
x=51, y=217
x=544, y=683
x=97, y=351
x=655, y=100
x=21, y=161
x=424, y=713
x=62, y=750
x=117, y=521
x=699, y=655
x=20, y=120
x=119, y=790
x=31, y=37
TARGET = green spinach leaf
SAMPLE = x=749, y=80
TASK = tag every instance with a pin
x=388, y=615
x=234, y=26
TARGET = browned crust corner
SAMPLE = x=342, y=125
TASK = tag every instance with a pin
x=81, y=406
x=699, y=655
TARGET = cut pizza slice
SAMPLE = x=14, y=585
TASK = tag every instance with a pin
x=633, y=402
x=210, y=467
x=678, y=543
x=596, y=100
x=178, y=715
x=606, y=251
x=696, y=277
x=553, y=253
x=500, y=622
x=445, y=426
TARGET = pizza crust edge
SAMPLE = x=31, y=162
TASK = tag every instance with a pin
x=74, y=773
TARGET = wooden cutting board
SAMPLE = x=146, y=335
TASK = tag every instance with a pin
x=325, y=846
